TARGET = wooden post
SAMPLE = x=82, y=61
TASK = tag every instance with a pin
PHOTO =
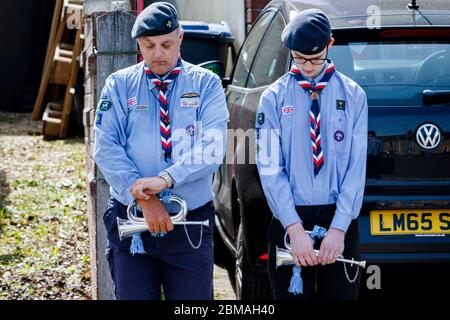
x=113, y=36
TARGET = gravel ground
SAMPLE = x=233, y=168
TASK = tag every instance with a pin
x=222, y=286
x=44, y=248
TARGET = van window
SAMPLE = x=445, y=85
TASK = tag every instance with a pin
x=395, y=73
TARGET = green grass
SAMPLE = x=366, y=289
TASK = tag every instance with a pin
x=44, y=243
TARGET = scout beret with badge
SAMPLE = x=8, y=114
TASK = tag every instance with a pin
x=157, y=19
x=308, y=32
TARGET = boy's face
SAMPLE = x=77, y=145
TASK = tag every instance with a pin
x=161, y=52
x=314, y=63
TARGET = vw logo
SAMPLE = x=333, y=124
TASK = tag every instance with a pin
x=428, y=136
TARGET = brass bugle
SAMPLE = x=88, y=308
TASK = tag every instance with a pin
x=135, y=224
x=284, y=258
x=128, y=228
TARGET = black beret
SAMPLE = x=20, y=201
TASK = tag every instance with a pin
x=308, y=32
x=157, y=19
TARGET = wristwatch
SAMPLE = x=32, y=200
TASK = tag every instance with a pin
x=167, y=178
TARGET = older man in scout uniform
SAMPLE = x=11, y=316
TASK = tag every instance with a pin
x=318, y=118
x=161, y=127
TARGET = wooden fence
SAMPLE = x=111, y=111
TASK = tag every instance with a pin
x=108, y=47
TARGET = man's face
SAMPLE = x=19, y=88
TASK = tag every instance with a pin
x=311, y=68
x=161, y=52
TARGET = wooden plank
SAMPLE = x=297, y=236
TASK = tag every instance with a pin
x=56, y=22
x=60, y=71
x=51, y=120
x=113, y=35
x=68, y=98
x=58, y=51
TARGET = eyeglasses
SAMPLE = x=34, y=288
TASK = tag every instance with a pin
x=314, y=61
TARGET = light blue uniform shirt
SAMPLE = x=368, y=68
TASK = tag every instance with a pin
x=289, y=180
x=128, y=145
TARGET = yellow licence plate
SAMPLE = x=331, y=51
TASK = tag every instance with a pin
x=397, y=222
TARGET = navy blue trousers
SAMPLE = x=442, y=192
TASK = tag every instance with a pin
x=170, y=262
x=327, y=282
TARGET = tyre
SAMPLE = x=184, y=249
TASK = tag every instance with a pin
x=249, y=285
x=222, y=255
x=224, y=258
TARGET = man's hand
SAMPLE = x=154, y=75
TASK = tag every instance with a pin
x=155, y=214
x=302, y=246
x=145, y=187
x=331, y=247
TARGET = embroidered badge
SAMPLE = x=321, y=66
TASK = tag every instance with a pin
x=142, y=107
x=105, y=105
x=287, y=110
x=169, y=24
x=260, y=118
x=131, y=102
x=340, y=105
x=98, y=118
x=190, y=130
x=190, y=95
x=190, y=100
x=339, y=136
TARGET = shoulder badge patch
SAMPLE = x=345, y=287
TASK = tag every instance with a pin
x=98, y=118
x=261, y=118
x=105, y=105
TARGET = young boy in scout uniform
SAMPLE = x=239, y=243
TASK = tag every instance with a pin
x=161, y=126
x=317, y=121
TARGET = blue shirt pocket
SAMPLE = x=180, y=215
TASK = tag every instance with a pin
x=184, y=119
x=185, y=129
x=340, y=134
x=287, y=133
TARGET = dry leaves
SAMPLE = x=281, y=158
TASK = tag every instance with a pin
x=44, y=242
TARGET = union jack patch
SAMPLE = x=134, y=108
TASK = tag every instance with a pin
x=131, y=102
x=287, y=110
